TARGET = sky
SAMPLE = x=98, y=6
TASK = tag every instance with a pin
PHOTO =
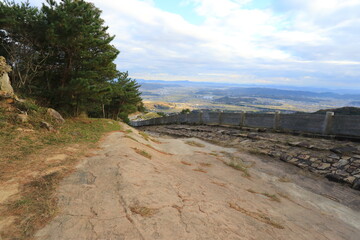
x=312, y=43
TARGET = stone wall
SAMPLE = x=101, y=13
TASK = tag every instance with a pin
x=329, y=124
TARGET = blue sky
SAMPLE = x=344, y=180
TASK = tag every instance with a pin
x=285, y=42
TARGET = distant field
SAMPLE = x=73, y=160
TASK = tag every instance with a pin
x=174, y=97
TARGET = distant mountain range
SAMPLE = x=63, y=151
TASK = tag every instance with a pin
x=234, y=90
x=163, y=83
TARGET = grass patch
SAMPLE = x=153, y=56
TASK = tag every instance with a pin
x=143, y=211
x=239, y=167
x=37, y=205
x=257, y=216
x=142, y=153
x=144, y=135
x=128, y=131
x=194, y=144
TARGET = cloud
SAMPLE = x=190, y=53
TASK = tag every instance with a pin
x=293, y=42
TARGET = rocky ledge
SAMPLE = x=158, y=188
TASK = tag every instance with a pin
x=338, y=161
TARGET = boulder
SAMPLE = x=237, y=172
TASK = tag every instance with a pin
x=23, y=118
x=55, y=115
x=5, y=85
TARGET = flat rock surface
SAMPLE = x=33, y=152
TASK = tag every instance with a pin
x=181, y=190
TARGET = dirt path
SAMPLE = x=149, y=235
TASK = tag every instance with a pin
x=142, y=189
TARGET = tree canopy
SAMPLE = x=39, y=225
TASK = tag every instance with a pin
x=62, y=55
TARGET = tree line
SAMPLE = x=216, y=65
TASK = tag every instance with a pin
x=61, y=54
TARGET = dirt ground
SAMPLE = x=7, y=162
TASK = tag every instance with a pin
x=140, y=187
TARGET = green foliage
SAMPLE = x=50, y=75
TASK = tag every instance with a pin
x=161, y=114
x=185, y=111
x=62, y=55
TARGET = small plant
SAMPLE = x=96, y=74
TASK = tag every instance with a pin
x=194, y=144
x=128, y=131
x=143, y=211
x=142, y=153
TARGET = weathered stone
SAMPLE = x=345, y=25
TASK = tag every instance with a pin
x=55, y=115
x=315, y=165
x=351, y=169
x=350, y=179
x=293, y=160
x=357, y=171
x=304, y=156
x=23, y=118
x=5, y=84
x=343, y=149
x=342, y=173
x=253, y=135
x=313, y=159
x=324, y=166
x=47, y=126
x=334, y=177
x=340, y=163
x=356, y=156
x=356, y=184
x=334, y=156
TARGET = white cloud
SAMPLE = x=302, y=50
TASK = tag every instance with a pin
x=281, y=44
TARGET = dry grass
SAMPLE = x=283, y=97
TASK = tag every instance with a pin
x=272, y=197
x=142, y=153
x=200, y=170
x=131, y=138
x=144, y=135
x=205, y=164
x=143, y=211
x=239, y=167
x=24, y=148
x=194, y=144
x=219, y=184
x=165, y=153
x=186, y=163
x=257, y=216
x=251, y=191
x=284, y=179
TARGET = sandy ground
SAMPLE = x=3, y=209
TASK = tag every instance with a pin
x=187, y=192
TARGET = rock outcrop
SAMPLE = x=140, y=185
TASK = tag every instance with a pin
x=5, y=85
x=55, y=115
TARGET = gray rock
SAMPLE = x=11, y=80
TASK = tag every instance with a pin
x=341, y=162
x=47, y=126
x=343, y=149
x=356, y=184
x=55, y=115
x=324, y=166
